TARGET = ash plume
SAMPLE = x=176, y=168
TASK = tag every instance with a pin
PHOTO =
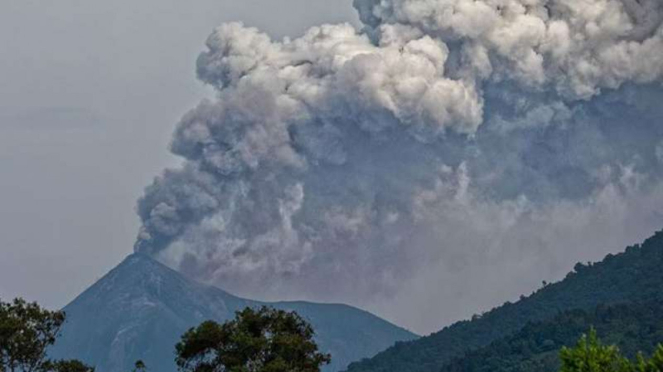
x=443, y=158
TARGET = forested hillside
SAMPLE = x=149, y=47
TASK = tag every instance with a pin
x=633, y=276
x=632, y=327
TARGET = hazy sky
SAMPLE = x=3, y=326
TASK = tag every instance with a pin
x=90, y=92
x=454, y=160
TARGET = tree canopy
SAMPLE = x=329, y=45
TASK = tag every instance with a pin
x=590, y=355
x=263, y=340
x=26, y=331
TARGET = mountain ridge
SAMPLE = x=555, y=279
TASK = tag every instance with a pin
x=139, y=309
x=631, y=276
x=633, y=327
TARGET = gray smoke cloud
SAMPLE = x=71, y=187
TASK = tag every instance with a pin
x=441, y=160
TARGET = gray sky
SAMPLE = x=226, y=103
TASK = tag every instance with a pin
x=90, y=92
x=419, y=227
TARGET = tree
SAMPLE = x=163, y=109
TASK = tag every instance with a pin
x=589, y=355
x=655, y=364
x=26, y=331
x=67, y=366
x=139, y=366
x=264, y=340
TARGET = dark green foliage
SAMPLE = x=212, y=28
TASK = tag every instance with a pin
x=632, y=327
x=26, y=331
x=139, y=366
x=634, y=275
x=67, y=366
x=264, y=340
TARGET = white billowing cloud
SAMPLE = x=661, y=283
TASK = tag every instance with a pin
x=452, y=142
x=333, y=67
x=576, y=46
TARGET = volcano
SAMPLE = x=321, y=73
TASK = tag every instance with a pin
x=141, y=308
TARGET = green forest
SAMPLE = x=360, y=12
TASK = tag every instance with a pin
x=632, y=328
x=632, y=277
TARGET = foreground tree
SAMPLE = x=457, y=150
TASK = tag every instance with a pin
x=26, y=332
x=654, y=364
x=66, y=366
x=589, y=355
x=264, y=340
x=139, y=366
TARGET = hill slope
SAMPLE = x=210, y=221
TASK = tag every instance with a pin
x=535, y=348
x=140, y=309
x=634, y=275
